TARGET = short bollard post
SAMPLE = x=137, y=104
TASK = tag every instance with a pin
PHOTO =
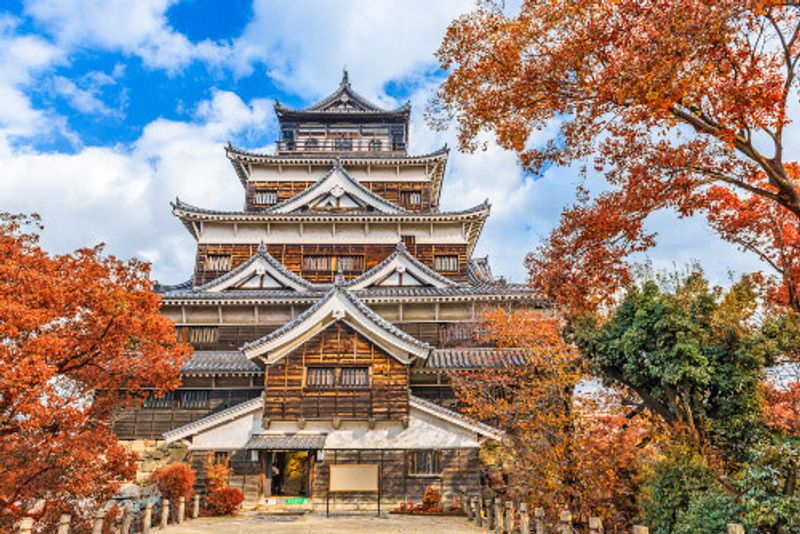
x=63, y=523
x=97, y=527
x=488, y=504
x=735, y=528
x=164, y=513
x=524, y=519
x=476, y=508
x=467, y=502
x=595, y=525
x=127, y=519
x=26, y=525
x=640, y=529
x=181, y=508
x=538, y=520
x=565, y=522
x=147, y=520
x=509, y=518
x=498, y=515
x=196, y=506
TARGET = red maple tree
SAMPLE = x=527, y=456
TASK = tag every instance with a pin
x=81, y=337
x=682, y=104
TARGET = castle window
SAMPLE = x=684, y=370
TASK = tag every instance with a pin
x=424, y=463
x=375, y=145
x=354, y=377
x=320, y=377
x=163, y=402
x=446, y=264
x=201, y=335
x=343, y=144
x=327, y=263
x=266, y=197
x=218, y=262
x=312, y=144
x=195, y=399
x=411, y=198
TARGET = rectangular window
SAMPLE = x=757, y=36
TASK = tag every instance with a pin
x=266, y=197
x=333, y=263
x=221, y=457
x=446, y=264
x=320, y=377
x=427, y=462
x=218, y=262
x=343, y=144
x=354, y=377
x=159, y=403
x=195, y=399
x=201, y=335
x=411, y=198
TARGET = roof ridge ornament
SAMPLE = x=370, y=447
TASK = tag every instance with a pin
x=345, y=76
x=262, y=247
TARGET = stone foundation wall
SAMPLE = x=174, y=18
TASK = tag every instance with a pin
x=154, y=454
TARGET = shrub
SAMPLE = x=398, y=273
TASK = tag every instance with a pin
x=217, y=475
x=432, y=499
x=173, y=481
x=224, y=501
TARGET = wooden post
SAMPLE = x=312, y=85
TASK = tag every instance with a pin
x=508, y=527
x=196, y=506
x=26, y=525
x=490, y=517
x=63, y=524
x=181, y=509
x=735, y=528
x=147, y=520
x=640, y=529
x=476, y=507
x=595, y=525
x=127, y=519
x=97, y=528
x=524, y=519
x=565, y=522
x=467, y=507
x=538, y=520
x=164, y=513
x=498, y=515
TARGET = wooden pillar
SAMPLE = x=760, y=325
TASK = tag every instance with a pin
x=476, y=508
x=196, y=506
x=508, y=527
x=524, y=519
x=565, y=522
x=490, y=517
x=97, y=527
x=466, y=504
x=181, y=509
x=498, y=515
x=164, y=513
x=538, y=520
x=270, y=460
x=147, y=520
x=640, y=529
x=735, y=528
x=63, y=523
x=127, y=519
x=25, y=525
x=595, y=525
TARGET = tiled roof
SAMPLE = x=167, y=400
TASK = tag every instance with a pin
x=475, y=358
x=286, y=442
x=210, y=421
x=234, y=151
x=219, y=361
x=402, y=251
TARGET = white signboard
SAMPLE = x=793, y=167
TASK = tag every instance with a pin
x=353, y=477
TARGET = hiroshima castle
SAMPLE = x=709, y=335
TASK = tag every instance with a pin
x=326, y=317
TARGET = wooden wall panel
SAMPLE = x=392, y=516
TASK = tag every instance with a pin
x=291, y=255
x=287, y=397
x=391, y=191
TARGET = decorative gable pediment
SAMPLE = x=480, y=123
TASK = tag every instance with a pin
x=400, y=269
x=261, y=271
x=337, y=305
x=336, y=191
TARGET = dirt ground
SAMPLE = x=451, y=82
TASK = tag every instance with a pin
x=319, y=524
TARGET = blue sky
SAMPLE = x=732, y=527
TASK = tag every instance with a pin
x=111, y=108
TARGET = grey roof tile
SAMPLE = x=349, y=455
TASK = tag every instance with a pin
x=219, y=361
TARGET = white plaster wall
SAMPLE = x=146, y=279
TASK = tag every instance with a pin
x=407, y=173
x=228, y=436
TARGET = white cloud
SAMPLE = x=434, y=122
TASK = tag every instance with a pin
x=138, y=27
x=121, y=195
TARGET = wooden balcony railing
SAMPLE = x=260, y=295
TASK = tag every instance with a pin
x=342, y=145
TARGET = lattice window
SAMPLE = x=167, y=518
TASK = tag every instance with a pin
x=343, y=143
x=159, y=403
x=424, y=462
x=196, y=399
x=218, y=262
x=312, y=143
x=266, y=197
x=200, y=335
x=354, y=377
x=333, y=263
x=411, y=198
x=375, y=145
x=446, y=264
x=320, y=377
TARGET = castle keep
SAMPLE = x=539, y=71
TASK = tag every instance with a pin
x=327, y=314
